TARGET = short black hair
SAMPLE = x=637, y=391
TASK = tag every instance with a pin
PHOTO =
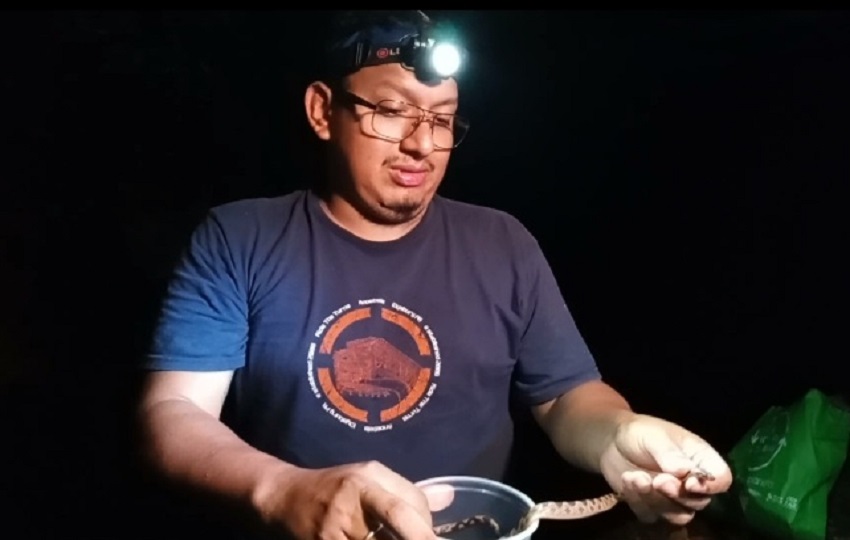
x=345, y=24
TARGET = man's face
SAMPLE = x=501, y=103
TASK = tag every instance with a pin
x=387, y=181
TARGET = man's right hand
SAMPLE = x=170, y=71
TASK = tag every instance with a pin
x=346, y=503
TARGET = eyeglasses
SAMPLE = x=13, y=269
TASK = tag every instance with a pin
x=397, y=120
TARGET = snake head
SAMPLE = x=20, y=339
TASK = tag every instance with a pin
x=700, y=474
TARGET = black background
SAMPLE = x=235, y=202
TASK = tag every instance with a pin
x=686, y=173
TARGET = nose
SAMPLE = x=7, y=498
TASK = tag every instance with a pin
x=420, y=143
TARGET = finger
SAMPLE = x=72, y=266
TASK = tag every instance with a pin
x=669, y=502
x=667, y=484
x=691, y=453
x=669, y=456
x=655, y=502
x=393, y=482
x=681, y=517
x=402, y=519
x=439, y=496
x=672, y=487
x=708, y=460
x=636, y=486
x=350, y=522
x=355, y=533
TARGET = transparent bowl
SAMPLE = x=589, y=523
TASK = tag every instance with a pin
x=462, y=497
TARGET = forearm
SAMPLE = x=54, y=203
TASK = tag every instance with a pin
x=582, y=423
x=194, y=451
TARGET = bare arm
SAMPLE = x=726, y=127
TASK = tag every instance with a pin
x=183, y=438
x=583, y=422
x=646, y=459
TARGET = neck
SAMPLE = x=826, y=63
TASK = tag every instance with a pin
x=349, y=218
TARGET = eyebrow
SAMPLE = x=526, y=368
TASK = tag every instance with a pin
x=401, y=89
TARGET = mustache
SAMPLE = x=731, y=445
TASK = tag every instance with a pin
x=402, y=162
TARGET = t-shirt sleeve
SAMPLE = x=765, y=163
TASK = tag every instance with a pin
x=202, y=323
x=553, y=355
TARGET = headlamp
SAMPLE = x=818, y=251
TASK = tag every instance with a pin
x=432, y=52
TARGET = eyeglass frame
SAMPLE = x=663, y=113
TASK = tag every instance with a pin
x=423, y=114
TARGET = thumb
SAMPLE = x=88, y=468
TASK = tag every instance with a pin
x=669, y=456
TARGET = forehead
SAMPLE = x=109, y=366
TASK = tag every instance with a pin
x=394, y=80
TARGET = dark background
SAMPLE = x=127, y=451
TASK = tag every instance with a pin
x=686, y=173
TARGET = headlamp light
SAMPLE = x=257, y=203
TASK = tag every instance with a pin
x=432, y=52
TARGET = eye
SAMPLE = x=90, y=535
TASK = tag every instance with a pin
x=444, y=121
x=391, y=108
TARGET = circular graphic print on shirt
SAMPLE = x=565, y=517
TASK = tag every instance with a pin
x=373, y=364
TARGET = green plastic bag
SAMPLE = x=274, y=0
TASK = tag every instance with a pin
x=785, y=467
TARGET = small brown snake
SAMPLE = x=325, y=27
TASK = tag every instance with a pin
x=551, y=510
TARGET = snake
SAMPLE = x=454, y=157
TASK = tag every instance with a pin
x=578, y=509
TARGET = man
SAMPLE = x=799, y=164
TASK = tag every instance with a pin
x=320, y=352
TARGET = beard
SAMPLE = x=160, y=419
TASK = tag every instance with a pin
x=382, y=211
x=393, y=208
x=395, y=212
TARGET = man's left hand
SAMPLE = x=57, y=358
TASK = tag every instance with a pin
x=662, y=470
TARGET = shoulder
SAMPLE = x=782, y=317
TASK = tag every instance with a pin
x=246, y=220
x=500, y=248
x=246, y=228
x=484, y=223
x=257, y=210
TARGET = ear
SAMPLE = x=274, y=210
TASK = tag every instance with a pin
x=317, y=102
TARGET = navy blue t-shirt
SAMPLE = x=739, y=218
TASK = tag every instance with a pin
x=348, y=350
